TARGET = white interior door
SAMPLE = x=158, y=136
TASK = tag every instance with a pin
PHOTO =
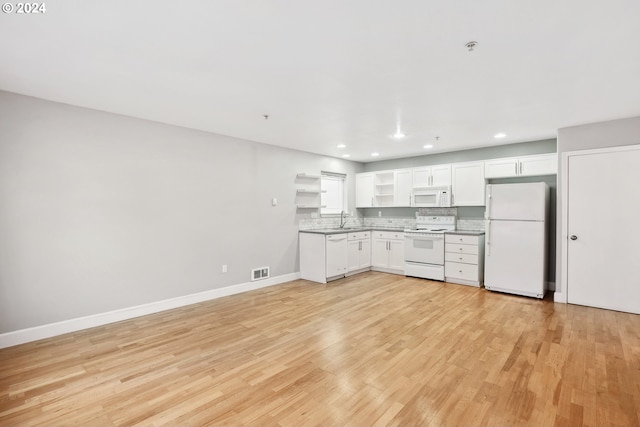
x=603, y=228
x=515, y=257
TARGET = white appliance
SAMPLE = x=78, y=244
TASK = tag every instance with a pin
x=433, y=197
x=424, y=246
x=516, y=238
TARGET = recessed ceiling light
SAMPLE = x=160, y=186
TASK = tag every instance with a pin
x=341, y=146
x=375, y=154
x=345, y=155
x=499, y=135
x=428, y=146
x=399, y=135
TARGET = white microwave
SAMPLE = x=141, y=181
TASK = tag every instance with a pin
x=432, y=197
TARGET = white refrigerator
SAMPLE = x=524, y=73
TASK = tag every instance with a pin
x=516, y=238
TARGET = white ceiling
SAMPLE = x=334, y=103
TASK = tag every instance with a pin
x=336, y=71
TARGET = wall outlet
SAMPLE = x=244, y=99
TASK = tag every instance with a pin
x=259, y=273
x=224, y=268
x=379, y=214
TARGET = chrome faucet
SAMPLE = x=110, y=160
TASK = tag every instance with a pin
x=343, y=221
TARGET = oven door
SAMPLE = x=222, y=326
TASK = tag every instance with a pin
x=425, y=249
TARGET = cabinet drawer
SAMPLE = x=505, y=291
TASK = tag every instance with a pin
x=392, y=235
x=461, y=249
x=461, y=257
x=461, y=271
x=359, y=235
x=462, y=239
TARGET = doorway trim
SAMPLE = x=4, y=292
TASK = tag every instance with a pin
x=563, y=295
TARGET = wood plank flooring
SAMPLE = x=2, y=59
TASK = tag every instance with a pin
x=372, y=349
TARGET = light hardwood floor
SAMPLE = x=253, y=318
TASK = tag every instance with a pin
x=373, y=349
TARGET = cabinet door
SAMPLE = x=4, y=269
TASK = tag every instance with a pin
x=365, y=253
x=379, y=253
x=396, y=254
x=546, y=164
x=337, y=254
x=501, y=168
x=422, y=177
x=354, y=255
x=402, y=187
x=468, y=184
x=440, y=175
x=364, y=190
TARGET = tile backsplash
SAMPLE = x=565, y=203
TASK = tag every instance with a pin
x=475, y=224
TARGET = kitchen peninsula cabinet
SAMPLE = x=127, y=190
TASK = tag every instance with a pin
x=323, y=257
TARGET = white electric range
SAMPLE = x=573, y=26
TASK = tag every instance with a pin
x=424, y=246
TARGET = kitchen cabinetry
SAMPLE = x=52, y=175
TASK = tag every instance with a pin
x=364, y=190
x=383, y=188
x=543, y=164
x=468, y=183
x=402, y=187
x=323, y=257
x=464, y=259
x=432, y=176
x=387, y=251
x=359, y=257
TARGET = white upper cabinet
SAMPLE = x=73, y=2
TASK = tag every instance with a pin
x=383, y=188
x=543, y=164
x=402, y=188
x=364, y=190
x=468, y=183
x=432, y=176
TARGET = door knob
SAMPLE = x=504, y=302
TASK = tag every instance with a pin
x=573, y=237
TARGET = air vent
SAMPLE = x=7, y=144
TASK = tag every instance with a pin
x=259, y=273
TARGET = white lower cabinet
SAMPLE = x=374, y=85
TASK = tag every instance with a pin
x=387, y=251
x=359, y=257
x=464, y=259
x=329, y=257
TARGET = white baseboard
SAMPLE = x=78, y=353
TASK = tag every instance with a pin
x=22, y=336
x=559, y=297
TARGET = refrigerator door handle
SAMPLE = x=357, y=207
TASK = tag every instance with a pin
x=489, y=238
x=489, y=201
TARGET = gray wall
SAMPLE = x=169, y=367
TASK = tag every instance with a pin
x=596, y=135
x=469, y=212
x=496, y=152
x=100, y=211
